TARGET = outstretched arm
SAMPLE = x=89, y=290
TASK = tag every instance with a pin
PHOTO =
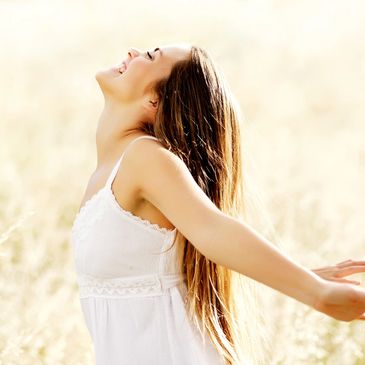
x=165, y=181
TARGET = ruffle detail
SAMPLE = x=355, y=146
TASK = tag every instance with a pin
x=139, y=220
x=91, y=212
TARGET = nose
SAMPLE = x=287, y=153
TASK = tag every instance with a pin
x=133, y=52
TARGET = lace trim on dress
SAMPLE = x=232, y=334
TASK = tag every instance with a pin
x=97, y=213
x=125, y=286
x=88, y=202
x=91, y=212
x=138, y=219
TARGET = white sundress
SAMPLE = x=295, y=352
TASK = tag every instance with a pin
x=131, y=295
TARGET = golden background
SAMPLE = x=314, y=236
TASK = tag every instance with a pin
x=297, y=69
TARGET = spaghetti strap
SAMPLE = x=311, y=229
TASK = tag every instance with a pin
x=117, y=164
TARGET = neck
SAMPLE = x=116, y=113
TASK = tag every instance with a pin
x=117, y=125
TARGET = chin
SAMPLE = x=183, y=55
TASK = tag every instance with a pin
x=99, y=76
x=102, y=74
x=103, y=82
x=104, y=78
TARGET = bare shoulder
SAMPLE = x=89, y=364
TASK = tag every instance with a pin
x=145, y=155
x=164, y=180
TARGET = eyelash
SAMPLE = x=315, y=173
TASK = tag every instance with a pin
x=149, y=55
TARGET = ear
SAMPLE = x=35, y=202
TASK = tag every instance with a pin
x=151, y=103
x=154, y=104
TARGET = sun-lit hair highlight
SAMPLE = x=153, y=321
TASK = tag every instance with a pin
x=199, y=120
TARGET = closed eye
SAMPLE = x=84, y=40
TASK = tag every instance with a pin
x=149, y=55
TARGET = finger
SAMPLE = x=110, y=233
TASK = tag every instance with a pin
x=339, y=280
x=351, y=262
x=344, y=262
x=327, y=269
x=350, y=270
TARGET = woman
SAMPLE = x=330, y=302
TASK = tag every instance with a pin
x=160, y=238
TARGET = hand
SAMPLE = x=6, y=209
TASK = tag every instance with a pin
x=338, y=271
x=344, y=302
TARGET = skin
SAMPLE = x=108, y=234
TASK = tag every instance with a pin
x=222, y=239
x=129, y=99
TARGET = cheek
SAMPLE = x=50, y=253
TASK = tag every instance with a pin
x=129, y=85
x=136, y=79
x=137, y=70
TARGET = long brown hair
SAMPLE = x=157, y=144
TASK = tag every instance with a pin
x=198, y=119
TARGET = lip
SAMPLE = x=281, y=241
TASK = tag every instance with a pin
x=116, y=69
x=121, y=66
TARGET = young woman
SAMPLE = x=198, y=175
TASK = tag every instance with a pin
x=160, y=235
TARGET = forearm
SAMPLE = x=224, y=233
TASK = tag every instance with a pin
x=237, y=246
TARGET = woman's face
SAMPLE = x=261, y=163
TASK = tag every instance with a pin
x=133, y=78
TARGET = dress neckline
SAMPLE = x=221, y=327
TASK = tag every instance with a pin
x=108, y=189
x=135, y=218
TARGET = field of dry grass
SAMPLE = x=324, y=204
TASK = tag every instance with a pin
x=297, y=69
